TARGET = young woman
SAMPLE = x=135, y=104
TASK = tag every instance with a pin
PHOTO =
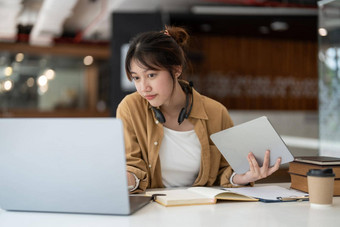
x=167, y=123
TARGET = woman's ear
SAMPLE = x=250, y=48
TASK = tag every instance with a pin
x=177, y=71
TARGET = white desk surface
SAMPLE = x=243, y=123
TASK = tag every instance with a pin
x=220, y=214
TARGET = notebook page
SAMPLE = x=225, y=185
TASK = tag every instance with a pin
x=267, y=192
x=207, y=191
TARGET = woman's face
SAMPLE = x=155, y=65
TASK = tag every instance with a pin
x=156, y=86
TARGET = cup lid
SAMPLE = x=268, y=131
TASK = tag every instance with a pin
x=321, y=172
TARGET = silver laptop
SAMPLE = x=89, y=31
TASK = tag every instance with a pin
x=254, y=136
x=72, y=165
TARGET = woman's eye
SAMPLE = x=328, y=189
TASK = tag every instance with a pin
x=135, y=78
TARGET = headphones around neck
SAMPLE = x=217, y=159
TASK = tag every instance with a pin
x=184, y=113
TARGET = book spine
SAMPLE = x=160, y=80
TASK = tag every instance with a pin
x=299, y=182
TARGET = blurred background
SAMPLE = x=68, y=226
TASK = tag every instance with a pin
x=279, y=58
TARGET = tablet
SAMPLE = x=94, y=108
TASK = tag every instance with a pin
x=254, y=136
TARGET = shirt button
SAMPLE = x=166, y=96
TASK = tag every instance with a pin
x=155, y=143
x=156, y=121
x=149, y=166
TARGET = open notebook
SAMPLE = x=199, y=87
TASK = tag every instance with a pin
x=210, y=195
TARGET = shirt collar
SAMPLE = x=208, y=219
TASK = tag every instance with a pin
x=198, y=108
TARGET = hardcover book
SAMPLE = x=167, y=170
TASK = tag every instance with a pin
x=299, y=182
x=318, y=160
x=301, y=168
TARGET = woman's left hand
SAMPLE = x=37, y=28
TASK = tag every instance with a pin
x=255, y=171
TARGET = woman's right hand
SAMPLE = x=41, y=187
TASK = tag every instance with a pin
x=257, y=172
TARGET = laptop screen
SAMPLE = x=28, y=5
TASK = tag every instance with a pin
x=63, y=165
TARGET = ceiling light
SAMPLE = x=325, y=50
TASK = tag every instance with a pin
x=323, y=31
x=30, y=82
x=19, y=57
x=8, y=85
x=8, y=71
x=42, y=80
x=49, y=73
x=88, y=60
x=42, y=89
x=235, y=10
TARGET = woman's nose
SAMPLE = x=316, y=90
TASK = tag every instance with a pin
x=145, y=86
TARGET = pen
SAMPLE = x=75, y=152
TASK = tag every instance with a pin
x=294, y=198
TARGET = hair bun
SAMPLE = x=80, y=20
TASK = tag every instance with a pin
x=178, y=34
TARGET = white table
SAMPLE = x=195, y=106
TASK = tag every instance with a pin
x=221, y=214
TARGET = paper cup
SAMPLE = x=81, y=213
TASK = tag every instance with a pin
x=320, y=187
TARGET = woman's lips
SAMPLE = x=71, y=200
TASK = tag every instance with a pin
x=150, y=97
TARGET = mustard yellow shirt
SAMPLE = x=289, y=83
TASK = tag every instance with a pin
x=143, y=136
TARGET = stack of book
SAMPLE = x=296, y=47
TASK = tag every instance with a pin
x=301, y=165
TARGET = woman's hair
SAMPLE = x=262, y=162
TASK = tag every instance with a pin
x=158, y=50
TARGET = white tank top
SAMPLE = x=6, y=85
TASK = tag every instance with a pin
x=180, y=156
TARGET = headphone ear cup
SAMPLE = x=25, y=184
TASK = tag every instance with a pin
x=181, y=116
x=159, y=115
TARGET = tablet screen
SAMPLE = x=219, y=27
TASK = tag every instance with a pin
x=254, y=136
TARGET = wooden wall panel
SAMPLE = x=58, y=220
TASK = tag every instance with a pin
x=254, y=73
